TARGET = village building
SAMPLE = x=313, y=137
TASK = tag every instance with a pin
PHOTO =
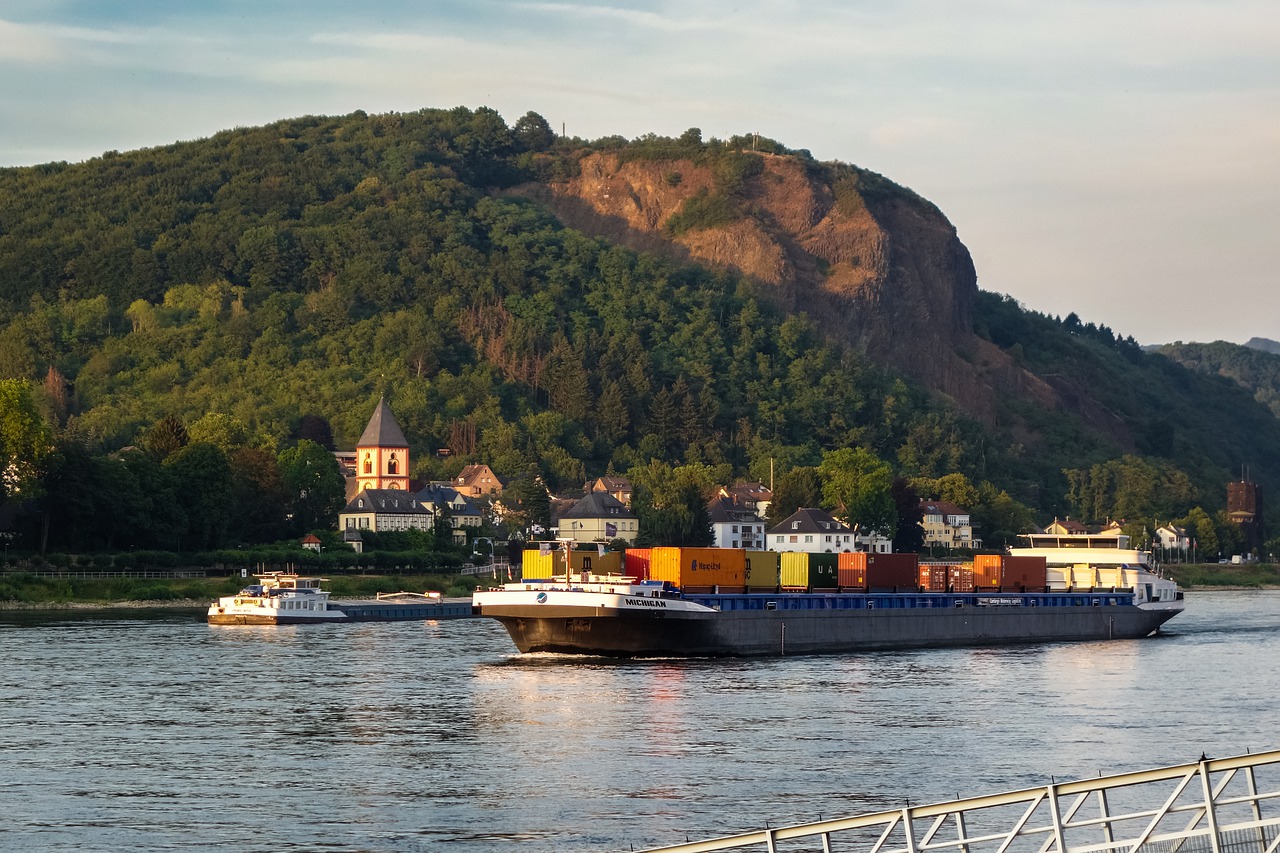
x=444, y=500
x=754, y=496
x=382, y=453
x=947, y=525
x=610, y=484
x=477, y=480
x=381, y=510
x=734, y=525
x=598, y=517
x=816, y=531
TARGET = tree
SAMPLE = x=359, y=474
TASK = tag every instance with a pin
x=25, y=441
x=314, y=486
x=165, y=437
x=203, y=478
x=909, y=535
x=533, y=133
x=671, y=503
x=799, y=487
x=856, y=483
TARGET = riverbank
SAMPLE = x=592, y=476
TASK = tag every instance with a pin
x=31, y=592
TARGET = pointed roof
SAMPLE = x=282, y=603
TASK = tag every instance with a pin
x=598, y=505
x=382, y=431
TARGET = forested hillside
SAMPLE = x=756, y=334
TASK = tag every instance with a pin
x=282, y=278
x=1252, y=367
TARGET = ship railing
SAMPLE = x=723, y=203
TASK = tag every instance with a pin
x=1228, y=805
x=433, y=597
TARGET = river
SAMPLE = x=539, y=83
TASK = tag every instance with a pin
x=151, y=731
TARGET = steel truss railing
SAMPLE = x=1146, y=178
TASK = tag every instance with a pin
x=1210, y=806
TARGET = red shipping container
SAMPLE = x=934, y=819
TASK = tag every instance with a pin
x=1024, y=574
x=635, y=563
x=960, y=578
x=933, y=578
x=851, y=570
x=893, y=571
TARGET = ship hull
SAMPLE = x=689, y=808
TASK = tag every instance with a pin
x=935, y=622
x=270, y=619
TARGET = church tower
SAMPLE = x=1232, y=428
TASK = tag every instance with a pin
x=382, y=453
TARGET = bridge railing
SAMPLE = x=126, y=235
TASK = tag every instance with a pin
x=1228, y=805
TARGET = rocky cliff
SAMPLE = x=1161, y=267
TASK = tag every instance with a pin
x=871, y=263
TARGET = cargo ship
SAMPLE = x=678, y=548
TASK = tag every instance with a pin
x=286, y=598
x=722, y=602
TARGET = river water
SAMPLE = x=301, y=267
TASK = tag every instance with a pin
x=149, y=731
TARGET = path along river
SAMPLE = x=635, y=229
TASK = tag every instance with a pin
x=149, y=731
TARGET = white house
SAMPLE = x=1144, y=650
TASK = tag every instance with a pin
x=734, y=525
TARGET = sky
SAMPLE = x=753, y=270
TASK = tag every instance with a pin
x=1118, y=159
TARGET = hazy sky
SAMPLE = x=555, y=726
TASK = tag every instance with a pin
x=1118, y=159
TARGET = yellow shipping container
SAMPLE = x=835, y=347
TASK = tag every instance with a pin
x=699, y=567
x=795, y=569
x=538, y=566
x=535, y=565
x=762, y=569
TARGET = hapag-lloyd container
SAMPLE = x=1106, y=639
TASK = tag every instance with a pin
x=699, y=568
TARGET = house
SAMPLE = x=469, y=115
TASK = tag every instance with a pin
x=599, y=517
x=1170, y=537
x=443, y=499
x=476, y=480
x=811, y=530
x=311, y=542
x=1066, y=527
x=947, y=525
x=734, y=525
x=754, y=496
x=618, y=487
x=382, y=453
x=381, y=510
x=816, y=531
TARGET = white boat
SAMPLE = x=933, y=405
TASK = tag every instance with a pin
x=279, y=598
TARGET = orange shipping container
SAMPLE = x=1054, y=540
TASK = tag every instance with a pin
x=699, y=567
x=852, y=570
x=987, y=569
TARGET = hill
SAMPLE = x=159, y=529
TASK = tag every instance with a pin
x=573, y=305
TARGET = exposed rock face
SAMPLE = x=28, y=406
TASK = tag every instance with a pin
x=882, y=270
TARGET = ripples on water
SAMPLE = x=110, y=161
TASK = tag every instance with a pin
x=155, y=731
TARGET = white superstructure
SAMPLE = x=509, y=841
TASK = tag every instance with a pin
x=1087, y=561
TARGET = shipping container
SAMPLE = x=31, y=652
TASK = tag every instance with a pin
x=539, y=566
x=1009, y=573
x=960, y=578
x=794, y=570
x=1024, y=574
x=933, y=578
x=892, y=572
x=851, y=569
x=635, y=563
x=762, y=570
x=702, y=568
x=823, y=571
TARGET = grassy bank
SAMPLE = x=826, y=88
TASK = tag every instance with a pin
x=1200, y=575
x=25, y=590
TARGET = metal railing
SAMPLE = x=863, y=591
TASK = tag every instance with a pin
x=1226, y=805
